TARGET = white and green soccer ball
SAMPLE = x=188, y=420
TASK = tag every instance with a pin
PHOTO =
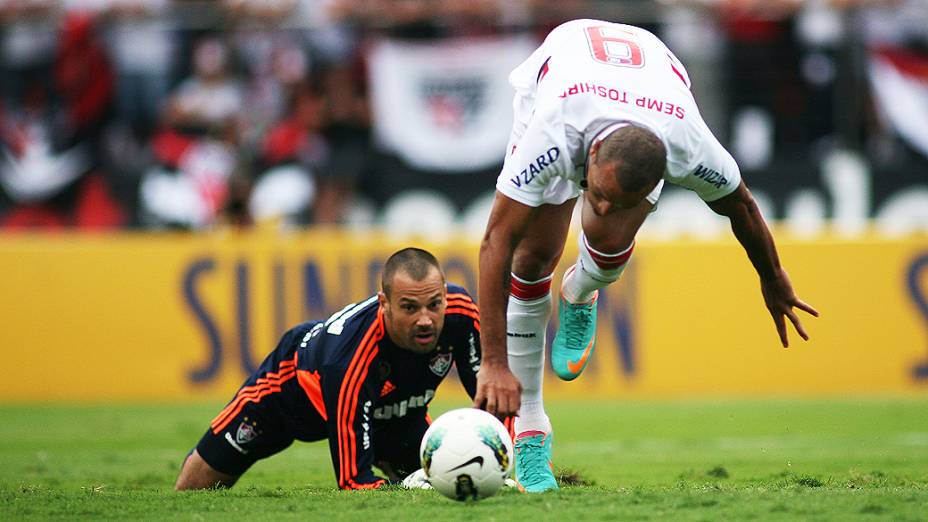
x=466, y=454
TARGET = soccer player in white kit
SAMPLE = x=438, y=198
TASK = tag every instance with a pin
x=603, y=110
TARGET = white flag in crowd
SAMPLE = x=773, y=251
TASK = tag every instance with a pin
x=900, y=85
x=446, y=105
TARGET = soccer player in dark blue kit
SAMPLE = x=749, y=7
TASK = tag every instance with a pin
x=362, y=379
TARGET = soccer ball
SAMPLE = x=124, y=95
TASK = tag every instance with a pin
x=466, y=454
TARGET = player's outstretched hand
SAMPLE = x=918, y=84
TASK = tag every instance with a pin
x=498, y=390
x=781, y=299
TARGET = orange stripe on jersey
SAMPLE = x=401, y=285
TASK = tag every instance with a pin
x=348, y=395
x=255, y=397
x=461, y=306
x=309, y=381
x=373, y=485
x=457, y=305
x=220, y=423
x=340, y=408
x=456, y=298
x=349, y=457
x=285, y=367
x=352, y=441
x=251, y=391
x=462, y=311
x=343, y=400
x=249, y=394
x=462, y=303
x=269, y=379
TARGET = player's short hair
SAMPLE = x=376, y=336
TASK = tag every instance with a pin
x=415, y=262
x=639, y=155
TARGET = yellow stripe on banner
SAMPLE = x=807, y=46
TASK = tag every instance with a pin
x=179, y=317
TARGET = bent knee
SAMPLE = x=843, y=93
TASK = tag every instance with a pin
x=534, y=264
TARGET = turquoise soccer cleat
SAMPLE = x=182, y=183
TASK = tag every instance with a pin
x=534, y=473
x=575, y=338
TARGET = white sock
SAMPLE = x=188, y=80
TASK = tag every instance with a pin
x=527, y=318
x=592, y=271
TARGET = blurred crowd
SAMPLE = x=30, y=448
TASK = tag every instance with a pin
x=188, y=114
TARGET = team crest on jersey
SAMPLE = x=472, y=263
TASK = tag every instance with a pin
x=440, y=364
x=384, y=370
x=454, y=102
x=246, y=432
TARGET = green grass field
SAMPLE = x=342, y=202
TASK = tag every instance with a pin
x=721, y=460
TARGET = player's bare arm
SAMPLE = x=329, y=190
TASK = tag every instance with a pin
x=751, y=231
x=498, y=390
x=198, y=474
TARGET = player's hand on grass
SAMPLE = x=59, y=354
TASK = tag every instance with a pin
x=781, y=301
x=498, y=390
x=417, y=480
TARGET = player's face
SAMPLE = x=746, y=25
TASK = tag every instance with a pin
x=414, y=312
x=605, y=195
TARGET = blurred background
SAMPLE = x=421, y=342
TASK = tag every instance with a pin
x=181, y=180
x=182, y=114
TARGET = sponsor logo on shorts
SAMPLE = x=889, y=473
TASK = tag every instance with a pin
x=440, y=364
x=710, y=176
x=535, y=168
x=529, y=335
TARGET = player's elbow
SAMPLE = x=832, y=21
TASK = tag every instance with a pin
x=738, y=205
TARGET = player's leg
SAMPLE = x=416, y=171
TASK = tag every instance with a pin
x=225, y=452
x=197, y=474
x=527, y=316
x=253, y=424
x=605, y=247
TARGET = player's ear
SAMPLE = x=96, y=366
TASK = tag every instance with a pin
x=594, y=149
x=382, y=299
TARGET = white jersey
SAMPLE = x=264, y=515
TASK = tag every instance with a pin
x=588, y=77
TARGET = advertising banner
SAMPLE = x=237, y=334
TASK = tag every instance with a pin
x=163, y=317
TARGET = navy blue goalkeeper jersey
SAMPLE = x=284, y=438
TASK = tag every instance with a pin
x=360, y=383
